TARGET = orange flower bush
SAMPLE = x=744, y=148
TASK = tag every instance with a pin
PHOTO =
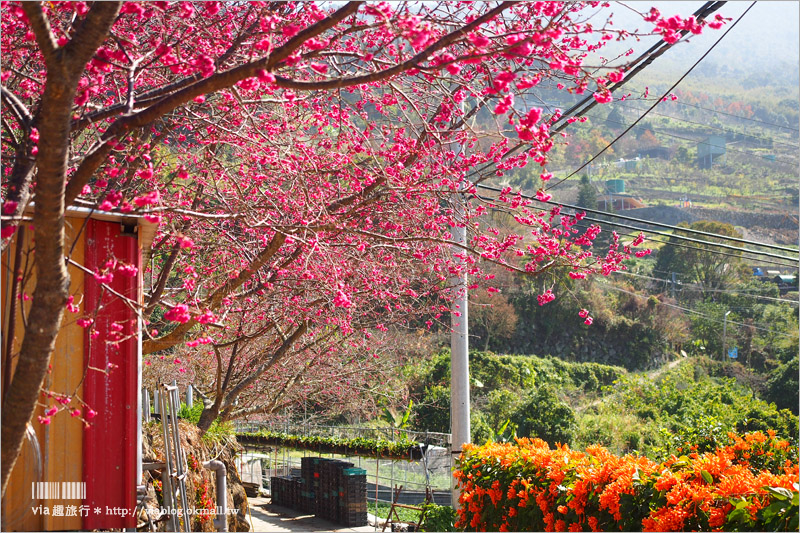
x=749, y=484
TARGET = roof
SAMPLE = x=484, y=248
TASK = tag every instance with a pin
x=145, y=228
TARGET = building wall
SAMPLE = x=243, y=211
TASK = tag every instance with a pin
x=101, y=366
x=61, y=441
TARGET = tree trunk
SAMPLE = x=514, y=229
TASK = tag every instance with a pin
x=65, y=65
x=207, y=418
x=52, y=278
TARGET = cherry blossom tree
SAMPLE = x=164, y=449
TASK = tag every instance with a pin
x=301, y=161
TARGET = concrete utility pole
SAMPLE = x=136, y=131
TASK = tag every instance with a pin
x=724, y=334
x=459, y=350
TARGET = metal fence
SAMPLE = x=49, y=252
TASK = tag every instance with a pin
x=431, y=474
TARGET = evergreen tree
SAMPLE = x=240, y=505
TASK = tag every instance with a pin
x=587, y=195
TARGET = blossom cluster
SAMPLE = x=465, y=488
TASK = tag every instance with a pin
x=527, y=486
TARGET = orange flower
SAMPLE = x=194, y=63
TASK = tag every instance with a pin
x=666, y=481
x=563, y=509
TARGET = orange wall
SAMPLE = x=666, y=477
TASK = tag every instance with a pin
x=61, y=442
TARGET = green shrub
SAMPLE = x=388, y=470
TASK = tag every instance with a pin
x=191, y=414
x=783, y=386
x=543, y=415
x=439, y=518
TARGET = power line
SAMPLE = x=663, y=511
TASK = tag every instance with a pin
x=686, y=246
x=712, y=252
x=647, y=58
x=656, y=103
x=661, y=225
x=692, y=311
x=736, y=116
x=699, y=288
x=679, y=245
x=589, y=102
x=653, y=129
x=626, y=104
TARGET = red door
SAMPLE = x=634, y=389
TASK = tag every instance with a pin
x=111, y=388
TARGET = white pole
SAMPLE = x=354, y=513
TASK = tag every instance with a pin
x=459, y=349
x=724, y=335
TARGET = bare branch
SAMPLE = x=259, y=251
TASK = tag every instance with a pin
x=18, y=109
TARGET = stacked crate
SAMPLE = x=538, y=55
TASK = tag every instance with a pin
x=331, y=489
x=285, y=491
x=353, y=498
x=309, y=473
x=278, y=490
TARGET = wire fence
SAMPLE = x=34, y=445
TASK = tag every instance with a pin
x=419, y=477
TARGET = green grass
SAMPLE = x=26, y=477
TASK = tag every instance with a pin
x=382, y=511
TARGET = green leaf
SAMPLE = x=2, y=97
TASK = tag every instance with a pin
x=707, y=477
x=780, y=493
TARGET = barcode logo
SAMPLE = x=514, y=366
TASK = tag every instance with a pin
x=55, y=490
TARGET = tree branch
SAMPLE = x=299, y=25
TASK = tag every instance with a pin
x=208, y=85
x=214, y=299
x=90, y=34
x=255, y=374
x=18, y=109
x=413, y=62
x=41, y=30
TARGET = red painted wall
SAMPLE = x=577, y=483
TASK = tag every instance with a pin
x=109, y=449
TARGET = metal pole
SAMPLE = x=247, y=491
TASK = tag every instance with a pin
x=459, y=349
x=724, y=334
x=189, y=397
x=672, y=285
x=146, y=404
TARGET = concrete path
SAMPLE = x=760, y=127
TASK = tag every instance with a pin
x=270, y=518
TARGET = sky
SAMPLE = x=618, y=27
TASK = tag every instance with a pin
x=767, y=37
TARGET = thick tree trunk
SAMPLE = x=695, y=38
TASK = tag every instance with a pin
x=64, y=67
x=52, y=278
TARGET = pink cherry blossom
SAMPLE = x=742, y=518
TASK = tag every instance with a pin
x=9, y=206
x=179, y=313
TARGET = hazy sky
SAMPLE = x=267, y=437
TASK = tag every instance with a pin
x=767, y=36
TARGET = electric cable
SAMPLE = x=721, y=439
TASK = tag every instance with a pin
x=679, y=245
x=647, y=57
x=692, y=311
x=657, y=224
x=735, y=116
x=694, y=287
x=686, y=246
x=598, y=154
x=656, y=132
x=626, y=104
